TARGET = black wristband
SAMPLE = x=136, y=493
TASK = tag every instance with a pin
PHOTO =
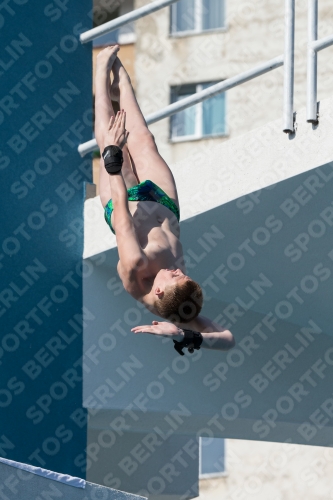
x=192, y=340
x=113, y=159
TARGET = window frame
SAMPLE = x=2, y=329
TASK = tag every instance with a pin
x=198, y=22
x=211, y=475
x=199, y=120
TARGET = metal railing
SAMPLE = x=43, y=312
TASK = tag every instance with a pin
x=286, y=59
x=105, y=28
x=288, y=80
x=314, y=46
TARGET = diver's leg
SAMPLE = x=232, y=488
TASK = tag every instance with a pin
x=146, y=161
x=103, y=113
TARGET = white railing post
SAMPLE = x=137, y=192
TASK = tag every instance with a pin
x=90, y=35
x=311, y=108
x=289, y=44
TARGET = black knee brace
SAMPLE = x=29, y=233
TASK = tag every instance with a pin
x=113, y=159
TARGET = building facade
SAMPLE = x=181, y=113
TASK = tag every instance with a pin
x=181, y=49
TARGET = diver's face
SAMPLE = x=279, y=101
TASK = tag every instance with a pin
x=168, y=277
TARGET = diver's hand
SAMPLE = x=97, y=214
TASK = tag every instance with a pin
x=162, y=328
x=116, y=134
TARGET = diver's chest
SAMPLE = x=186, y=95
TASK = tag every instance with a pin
x=146, y=214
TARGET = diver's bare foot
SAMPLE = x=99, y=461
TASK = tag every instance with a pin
x=105, y=60
x=119, y=73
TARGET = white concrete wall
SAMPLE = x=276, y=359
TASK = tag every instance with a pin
x=279, y=471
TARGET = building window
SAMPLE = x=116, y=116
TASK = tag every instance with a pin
x=195, y=16
x=205, y=119
x=212, y=457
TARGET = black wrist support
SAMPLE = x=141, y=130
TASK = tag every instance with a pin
x=113, y=159
x=192, y=340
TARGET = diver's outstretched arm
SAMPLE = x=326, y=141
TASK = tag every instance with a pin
x=214, y=335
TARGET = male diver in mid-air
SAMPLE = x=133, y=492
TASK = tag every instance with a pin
x=140, y=201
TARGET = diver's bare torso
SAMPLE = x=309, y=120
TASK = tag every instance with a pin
x=158, y=231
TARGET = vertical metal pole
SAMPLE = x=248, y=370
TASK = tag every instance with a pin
x=311, y=108
x=289, y=44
